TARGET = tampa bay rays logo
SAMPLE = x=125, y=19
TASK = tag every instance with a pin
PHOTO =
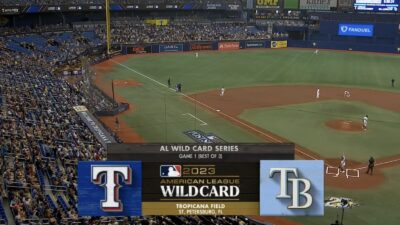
x=296, y=193
x=292, y=187
x=108, y=176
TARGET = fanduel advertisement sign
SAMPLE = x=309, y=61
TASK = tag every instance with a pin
x=364, y=30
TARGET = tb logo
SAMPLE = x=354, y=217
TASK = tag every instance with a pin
x=111, y=203
x=292, y=187
x=296, y=193
x=109, y=188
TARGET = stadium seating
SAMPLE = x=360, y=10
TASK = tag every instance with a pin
x=42, y=140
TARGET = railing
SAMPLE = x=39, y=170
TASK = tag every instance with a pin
x=70, y=221
x=55, y=188
x=34, y=221
x=17, y=185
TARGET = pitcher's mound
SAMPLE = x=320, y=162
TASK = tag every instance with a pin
x=344, y=125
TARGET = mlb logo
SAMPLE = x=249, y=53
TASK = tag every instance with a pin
x=170, y=171
x=110, y=188
x=291, y=187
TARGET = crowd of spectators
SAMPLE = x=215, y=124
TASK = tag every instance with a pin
x=134, y=33
x=43, y=138
x=4, y=31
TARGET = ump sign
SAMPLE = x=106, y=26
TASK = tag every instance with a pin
x=291, y=188
x=363, y=30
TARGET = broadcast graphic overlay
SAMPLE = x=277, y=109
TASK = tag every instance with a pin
x=110, y=188
x=292, y=188
x=200, y=179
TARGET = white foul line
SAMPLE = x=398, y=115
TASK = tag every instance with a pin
x=220, y=112
x=380, y=164
x=201, y=121
x=141, y=74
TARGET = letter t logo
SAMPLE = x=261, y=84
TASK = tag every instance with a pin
x=111, y=173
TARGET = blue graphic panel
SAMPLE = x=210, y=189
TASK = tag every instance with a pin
x=364, y=30
x=276, y=200
x=92, y=189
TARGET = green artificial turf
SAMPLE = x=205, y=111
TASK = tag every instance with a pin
x=157, y=114
x=304, y=124
x=291, y=66
x=377, y=206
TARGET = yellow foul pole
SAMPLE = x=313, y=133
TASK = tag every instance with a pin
x=108, y=27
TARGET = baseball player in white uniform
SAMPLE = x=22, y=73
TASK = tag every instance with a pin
x=222, y=91
x=365, y=122
x=346, y=94
x=197, y=55
x=316, y=51
x=317, y=96
x=342, y=166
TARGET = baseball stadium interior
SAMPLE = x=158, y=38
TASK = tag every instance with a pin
x=49, y=50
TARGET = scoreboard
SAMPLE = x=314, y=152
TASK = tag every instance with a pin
x=377, y=5
x=187, y=179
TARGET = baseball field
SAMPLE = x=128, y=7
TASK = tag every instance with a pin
x=271, y=97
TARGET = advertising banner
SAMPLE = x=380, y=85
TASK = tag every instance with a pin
x=213, y=6
x=233, y=7
x=267, y=4
x=157, y=22
x=234, y=45
x=10, y=10
x=363, y=30
x=345, y=4
x=318, y=4
x=278, y=44
x=202, y=137
x=255, y=44
x=171, y=48
x=138, y=50
x=201, y=46
x=94, y=126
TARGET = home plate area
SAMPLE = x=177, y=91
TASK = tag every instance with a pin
x=335, y=172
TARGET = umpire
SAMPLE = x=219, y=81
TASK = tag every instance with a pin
x=371, y=165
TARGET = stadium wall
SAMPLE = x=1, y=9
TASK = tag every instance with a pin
x=385, y=38
x=337, y=45
x=202, y=45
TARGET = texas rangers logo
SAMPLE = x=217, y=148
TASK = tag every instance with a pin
x=111, y=203
x=110, y=188
x=291, y=187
